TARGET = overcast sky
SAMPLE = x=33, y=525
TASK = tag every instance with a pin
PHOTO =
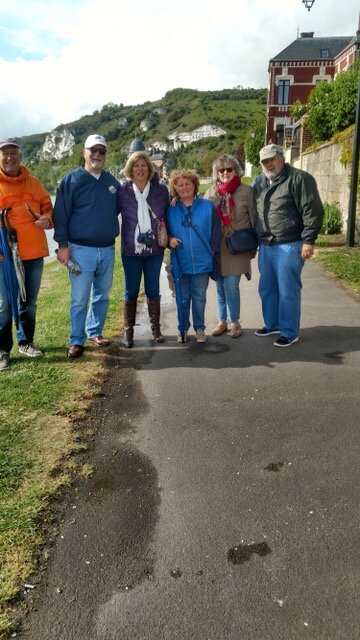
x=60, y=59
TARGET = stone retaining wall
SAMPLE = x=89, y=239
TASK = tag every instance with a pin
x=332, y=177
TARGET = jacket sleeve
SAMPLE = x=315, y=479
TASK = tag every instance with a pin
x=311, y=209
x=215, y=240
x=252, y=207
x=62, y=213
x=257, y=184
x=46, y=208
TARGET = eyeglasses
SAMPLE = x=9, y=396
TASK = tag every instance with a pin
x=227, y=169
x=102, y=151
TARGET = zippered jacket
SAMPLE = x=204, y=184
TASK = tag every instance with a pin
x=289, y=208
x=158, y=200
x=195, y=255
x=27, y=198
x=85, y=210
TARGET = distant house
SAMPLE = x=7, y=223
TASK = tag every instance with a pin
x=184, y=138
x=296, y=70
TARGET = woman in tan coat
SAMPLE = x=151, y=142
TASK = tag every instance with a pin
x=235, y=206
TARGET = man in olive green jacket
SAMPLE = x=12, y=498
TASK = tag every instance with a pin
x=290, y=214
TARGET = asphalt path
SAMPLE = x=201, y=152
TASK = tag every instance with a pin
x=225, y=501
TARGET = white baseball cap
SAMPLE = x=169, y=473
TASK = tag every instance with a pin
x=95, y=138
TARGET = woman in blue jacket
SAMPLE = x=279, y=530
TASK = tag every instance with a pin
x=195, y=234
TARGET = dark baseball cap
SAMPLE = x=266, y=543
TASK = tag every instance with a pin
x=9, y=142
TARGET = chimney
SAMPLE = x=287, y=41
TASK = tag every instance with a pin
x=307, y=34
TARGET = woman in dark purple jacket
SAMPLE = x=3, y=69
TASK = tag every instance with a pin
x=142, y=204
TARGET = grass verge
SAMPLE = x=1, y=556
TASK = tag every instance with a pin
x=342, y=262
x=39, y=399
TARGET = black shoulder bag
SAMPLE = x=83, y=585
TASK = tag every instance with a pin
x=242, y=241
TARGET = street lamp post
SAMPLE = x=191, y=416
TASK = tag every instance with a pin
x=350, y=233
x=308, y=4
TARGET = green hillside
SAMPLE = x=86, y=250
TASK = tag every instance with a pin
x=234, y=110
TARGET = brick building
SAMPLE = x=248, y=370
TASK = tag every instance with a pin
x=296, y=70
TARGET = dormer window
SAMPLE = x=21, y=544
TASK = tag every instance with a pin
x=324, y=53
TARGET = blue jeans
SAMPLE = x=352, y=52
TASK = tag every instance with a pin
x=27, y=310
x=228, y=298
x=193, y=288
x=90, y=291
x=134, y=267
x=280, y=286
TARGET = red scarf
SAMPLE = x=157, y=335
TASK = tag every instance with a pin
x=226, y=205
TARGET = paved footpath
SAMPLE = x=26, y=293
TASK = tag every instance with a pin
x=225, y=498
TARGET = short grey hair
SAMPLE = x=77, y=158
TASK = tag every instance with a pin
x=223, y=161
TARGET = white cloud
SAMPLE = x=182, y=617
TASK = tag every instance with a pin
x=90, y=53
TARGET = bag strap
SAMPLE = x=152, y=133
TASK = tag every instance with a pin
x=154, y=216
x=193, y=226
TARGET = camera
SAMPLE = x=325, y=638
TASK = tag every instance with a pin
x=146, y=238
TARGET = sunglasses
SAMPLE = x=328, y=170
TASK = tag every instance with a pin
x=227, y=169
x=95, y=149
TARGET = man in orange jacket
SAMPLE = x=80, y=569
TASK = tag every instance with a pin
x=29, y=212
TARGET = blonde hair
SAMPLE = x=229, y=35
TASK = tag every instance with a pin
x=223, y=161
x=188, y=174
x=131, y=161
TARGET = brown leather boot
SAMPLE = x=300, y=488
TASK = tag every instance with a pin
x=129, y=322
x=154, y=315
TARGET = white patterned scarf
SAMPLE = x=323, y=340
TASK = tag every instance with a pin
x=143, y=216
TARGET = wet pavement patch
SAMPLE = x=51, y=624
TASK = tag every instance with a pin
x=122, y=509
x=210, y=347
x=274, y=466
x=243, y=552
x=336, y=356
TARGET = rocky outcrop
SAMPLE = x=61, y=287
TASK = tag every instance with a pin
x=147, y=124
x=57, y=145
x=186, y=137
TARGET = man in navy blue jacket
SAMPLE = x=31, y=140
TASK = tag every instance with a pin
x=86, y=225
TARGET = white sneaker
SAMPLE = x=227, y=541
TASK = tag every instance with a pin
x=200, y=336
x=30, y=351
x=4, y=360
x=180, y=339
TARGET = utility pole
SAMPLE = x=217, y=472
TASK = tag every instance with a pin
x=350, y=234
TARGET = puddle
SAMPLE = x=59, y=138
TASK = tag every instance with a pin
x=336, y=356
x=243, y=552
x=274, y=466
x=176, y=573
x=210, y=347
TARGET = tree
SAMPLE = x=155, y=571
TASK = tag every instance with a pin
x=254, y=141
x=320, y=111
x=331, y=107
x=297, y=110
x=345, y=95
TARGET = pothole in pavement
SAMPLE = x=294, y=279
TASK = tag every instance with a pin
x=243, y=552
x=274, y=466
